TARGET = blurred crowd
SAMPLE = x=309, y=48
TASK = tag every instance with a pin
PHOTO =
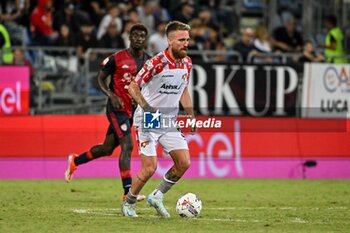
x=106, y=24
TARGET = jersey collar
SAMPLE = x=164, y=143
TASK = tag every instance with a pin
x=167, y=55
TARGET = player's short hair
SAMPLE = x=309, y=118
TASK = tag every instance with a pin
x=175, y=26
x=140, y=27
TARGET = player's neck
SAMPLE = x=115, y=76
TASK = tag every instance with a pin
x=135, y=52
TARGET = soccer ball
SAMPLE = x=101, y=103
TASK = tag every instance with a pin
x=189, y=205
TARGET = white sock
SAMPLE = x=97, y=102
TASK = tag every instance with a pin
x=157, y=193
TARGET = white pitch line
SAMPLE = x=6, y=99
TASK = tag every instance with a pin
x=89, y=211
x=298, y=220
x=237, y=208
x=116, y=212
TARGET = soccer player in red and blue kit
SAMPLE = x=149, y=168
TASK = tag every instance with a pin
x=123, y=67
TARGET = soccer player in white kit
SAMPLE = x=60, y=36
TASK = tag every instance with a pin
x=163, y=81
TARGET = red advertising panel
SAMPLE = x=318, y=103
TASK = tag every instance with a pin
x=14, y=90
x=244, y=137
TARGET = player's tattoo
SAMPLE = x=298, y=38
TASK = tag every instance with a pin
x=143, y=181
x=136, y=94
x=171, y=175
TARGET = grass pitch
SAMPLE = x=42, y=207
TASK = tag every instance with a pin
x=93, y=205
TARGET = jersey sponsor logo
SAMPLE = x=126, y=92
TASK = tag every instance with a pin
x=170, y=87
x=167, y=75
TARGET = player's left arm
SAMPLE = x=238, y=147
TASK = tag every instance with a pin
x=186, y=103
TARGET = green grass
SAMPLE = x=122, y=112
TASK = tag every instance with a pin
x=92, y=205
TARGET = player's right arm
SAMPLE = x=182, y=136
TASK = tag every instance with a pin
x=141, y=79
x=108, y=68
x=136, y=94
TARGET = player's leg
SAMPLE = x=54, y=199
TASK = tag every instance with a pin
x=148, y=167
x=126, y=145
x=97, y=151
x=121, y=125
x=121, y=128
x=177, y=145
x=147, y=150
x=181, y=164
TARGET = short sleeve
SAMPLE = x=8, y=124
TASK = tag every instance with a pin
x=108, y=65
x=146, y=73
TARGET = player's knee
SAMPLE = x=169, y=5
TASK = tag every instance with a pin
x=184, y=165
x=108, y=150
x=125, y=158
x=150, y=170
x=127, y=148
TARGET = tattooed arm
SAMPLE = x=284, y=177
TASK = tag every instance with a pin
x=135, y=93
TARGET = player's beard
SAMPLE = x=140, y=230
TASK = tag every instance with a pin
x=179, y=54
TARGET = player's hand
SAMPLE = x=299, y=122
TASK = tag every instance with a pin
x=194, y=128
x=117, y=103
x=149, y=108
x=133, y=102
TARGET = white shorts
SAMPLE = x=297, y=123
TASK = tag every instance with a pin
x=169, y=140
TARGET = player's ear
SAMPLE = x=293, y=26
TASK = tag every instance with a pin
x=169, y=41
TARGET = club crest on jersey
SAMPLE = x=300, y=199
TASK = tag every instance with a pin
x=144, y=144
x=127, y=77
x=184, y=76
x=124, y=127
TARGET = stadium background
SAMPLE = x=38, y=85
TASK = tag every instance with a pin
x=282, y=118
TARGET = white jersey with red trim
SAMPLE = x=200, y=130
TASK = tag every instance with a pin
x=162, y=81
